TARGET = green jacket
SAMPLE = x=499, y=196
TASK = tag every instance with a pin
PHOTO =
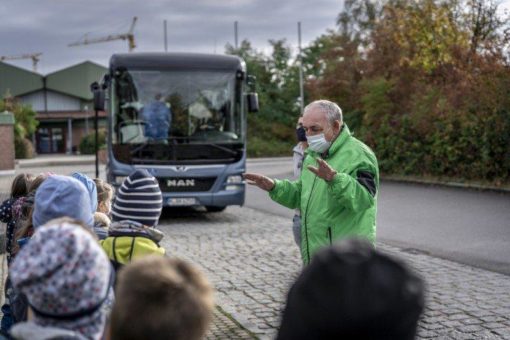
x=344, y=207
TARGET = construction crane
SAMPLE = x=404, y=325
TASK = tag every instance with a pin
x=33, y=56
x=129, y=36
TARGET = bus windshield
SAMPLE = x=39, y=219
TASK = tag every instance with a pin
x=174, y=116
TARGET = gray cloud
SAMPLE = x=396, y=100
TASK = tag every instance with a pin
x=196, y=26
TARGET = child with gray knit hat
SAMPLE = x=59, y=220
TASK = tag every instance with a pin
x=135, y=214
x=66, y=278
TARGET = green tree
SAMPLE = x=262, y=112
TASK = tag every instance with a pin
x=25, y=124
x=270, y=131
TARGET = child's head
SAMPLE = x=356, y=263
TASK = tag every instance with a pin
x=36, y=182
x=61, y=196
x=90, y=186
x=66, y=277
x=138, y=199
x=161, y=298
x=20, y=184
x=104, y=196
x=352, y=291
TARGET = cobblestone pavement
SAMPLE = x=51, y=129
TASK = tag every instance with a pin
x=251, y=258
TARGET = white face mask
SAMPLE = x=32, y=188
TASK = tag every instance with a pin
x=318, y=143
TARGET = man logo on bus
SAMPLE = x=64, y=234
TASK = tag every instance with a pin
x=180, y=182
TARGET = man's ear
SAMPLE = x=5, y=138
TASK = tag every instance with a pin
x=337, y=125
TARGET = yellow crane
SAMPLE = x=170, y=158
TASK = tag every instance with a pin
x=129, y=36
x=33, y=56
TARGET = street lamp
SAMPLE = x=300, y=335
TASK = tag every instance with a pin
x=99, y=97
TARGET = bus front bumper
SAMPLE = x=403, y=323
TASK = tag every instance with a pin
x=221, y=198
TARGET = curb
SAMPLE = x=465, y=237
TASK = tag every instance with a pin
x=450, y=184
x=42, y=162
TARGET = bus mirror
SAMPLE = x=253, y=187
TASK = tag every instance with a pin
x=253, y=102
x=99, y=96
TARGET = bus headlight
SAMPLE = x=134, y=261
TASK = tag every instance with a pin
x=237, y=179
x=234, y=182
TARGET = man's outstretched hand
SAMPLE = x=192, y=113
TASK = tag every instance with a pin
x=263, y=182
x=323, y=170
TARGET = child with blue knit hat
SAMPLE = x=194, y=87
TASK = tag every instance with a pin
x=135, y=214
x=57, y=196
x=62, y=196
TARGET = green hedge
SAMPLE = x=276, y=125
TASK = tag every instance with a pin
x=269, y=138
x=87, y=143
x=469, y=146
x=23, y=148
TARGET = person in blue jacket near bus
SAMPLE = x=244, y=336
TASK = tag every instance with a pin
x=158, y=118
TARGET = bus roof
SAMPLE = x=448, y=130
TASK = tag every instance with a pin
x=176, y=61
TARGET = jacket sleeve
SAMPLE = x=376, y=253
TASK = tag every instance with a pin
x=355, y=192
x=287, y=193
x=5, y=211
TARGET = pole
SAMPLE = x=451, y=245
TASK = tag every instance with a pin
x=97, y=146
x=235, y=33
x=301, y=91
x=166, y=36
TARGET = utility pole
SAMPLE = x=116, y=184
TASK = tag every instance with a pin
x=166, y=37
x=235, y=34
x=301, y=91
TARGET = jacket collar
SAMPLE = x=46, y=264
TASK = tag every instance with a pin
x=127, y=227
x=340, y=140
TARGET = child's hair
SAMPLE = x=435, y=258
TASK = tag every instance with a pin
x=36, y=182
x=102, y=220
x=20, y=185
x=104, y=190
x=161, y=298
x=24, y=227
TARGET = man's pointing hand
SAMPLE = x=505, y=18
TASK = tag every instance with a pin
x=263, y=182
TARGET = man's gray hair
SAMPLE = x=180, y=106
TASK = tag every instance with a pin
x=333, y=111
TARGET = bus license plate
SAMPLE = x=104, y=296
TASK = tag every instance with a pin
x=181, y=201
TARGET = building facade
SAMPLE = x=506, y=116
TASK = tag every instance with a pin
x=63, y=102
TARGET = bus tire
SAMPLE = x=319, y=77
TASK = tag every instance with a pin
x=212, y=208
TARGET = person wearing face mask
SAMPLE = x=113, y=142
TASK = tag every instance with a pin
x=338, y=186
x=297, y=158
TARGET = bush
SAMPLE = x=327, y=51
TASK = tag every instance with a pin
x=268, y=138
x=87, y=143
x=23, y=148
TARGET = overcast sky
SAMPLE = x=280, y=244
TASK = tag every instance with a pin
x=48, y=26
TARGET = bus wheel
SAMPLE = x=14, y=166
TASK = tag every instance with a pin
x=211, y=208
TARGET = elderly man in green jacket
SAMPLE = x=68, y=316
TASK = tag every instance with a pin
x=337, y=189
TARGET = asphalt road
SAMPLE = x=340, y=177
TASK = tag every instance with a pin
x=466, y=226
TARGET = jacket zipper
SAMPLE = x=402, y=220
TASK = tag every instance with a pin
x=306, y=219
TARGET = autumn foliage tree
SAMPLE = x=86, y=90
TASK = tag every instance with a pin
x=425, y=83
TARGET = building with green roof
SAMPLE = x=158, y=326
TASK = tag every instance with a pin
x=62, y=100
